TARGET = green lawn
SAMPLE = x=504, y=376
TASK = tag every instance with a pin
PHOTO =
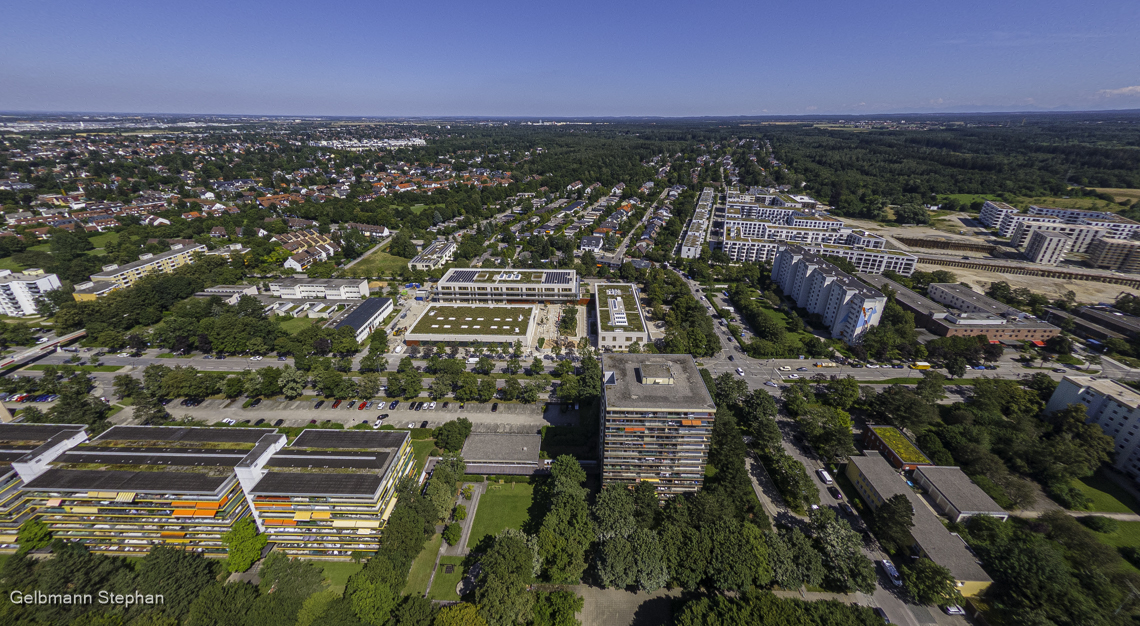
x=503, y=506
x=296, y=325
x=102, y=239
x=421, y=568
x=1106, y=495
x=967, y=198
x=337, y=573
x=421, y=448
x=7, y=263
x=443, y=587
x=1127, y=535
x=379, y=263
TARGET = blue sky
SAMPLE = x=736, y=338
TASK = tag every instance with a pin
x=587, y=58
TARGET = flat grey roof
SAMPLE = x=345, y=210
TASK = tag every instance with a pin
x=154, y=259
x=115, y=480
x=187, y=457
x=185, y=433
x=903, y=295
x=495, y=447
x=957, y=487
x=623, y=388
x=34, y=432
x=363, y=314
x=943, y=547
x=303, y=484
x=350, y=439
x=372, y=460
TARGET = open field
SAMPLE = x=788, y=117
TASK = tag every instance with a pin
x=297, y=324
x=421, y=568
x=7, y=263
x=503, y=506
x=443, y=587
x=1121, y=194
x=378, y=263
x=337, y=573
x=1107, y=496
x=1091, y=204
x=446, y=319
x=1087, y=291
x=967, y=198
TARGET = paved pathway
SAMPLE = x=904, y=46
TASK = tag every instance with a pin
x=472, y=506
x=374, y=249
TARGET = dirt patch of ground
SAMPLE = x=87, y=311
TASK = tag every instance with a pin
x=1087, y=291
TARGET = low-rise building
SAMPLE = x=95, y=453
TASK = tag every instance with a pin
x=162, y=263
x=366, y=317
x=876, y=481
x=592, y=243
x=435, y=256
x=20, y=293
x=25, y=450
x=1113, y=406
x=618, y=318
x=947, y=322
x=896, y=447
x=955, y=495
x=508, y=286
x=316, y=288
x=657, y=422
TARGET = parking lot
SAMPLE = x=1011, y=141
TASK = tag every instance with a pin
x=510, y=417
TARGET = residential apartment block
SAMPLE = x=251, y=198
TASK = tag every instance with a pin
x=507, y=286
x=1113, y=406
x=125, y=275
x=657, y=420
x=993, y=212
x=329, y=493
x=849, y=307
x=1006, y=324
x=435, y=256
x=136, y=487
x=1080, y=235
x=1115, y=254
x=617, y=316
x=1047, y=248
x=21, y=293
x=318, y=288
x=698, y=226
x=1120, y=227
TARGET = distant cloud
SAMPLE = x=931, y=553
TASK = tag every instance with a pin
x=1123, y=91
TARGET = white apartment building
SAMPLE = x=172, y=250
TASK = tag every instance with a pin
x=507, y=286
x=1047, y=248
x=1110, y=405
x=617, y=316
x=849, y=307
x=19, y=293
x=993, y=212
x=434, y=256
x=694, y=236
x=1011, y=221
x=319, y=288
x=1080, y=235
x=1121, y=227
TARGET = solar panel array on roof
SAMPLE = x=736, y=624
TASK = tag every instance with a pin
x=556, y=278
x=34, y=432
x=99, y=480
x=462, y=276
x=117, y=456
x=182, y=433
x=338, y=460
x=284, y=483
x=350, y=439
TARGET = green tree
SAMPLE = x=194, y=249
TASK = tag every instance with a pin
x=126, y=386
x=930, y=387
x=841, y=393
x=452, y=533
x=33, y=534
x=536, y=366
x=893, y=521
x=462, y=614
x=956, y=367
x=930, y=583
x=501, y=591
x=244, y=545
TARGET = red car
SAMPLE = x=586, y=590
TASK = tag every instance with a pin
x=336, y=404
x=362, y=405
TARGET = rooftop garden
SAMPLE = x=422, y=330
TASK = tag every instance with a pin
x=472, y=320
x=632, y=310
x=907, y=451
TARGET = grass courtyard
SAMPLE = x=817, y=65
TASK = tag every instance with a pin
x=420, y=573
x=1106, y=495
x=449, y=320
x=502, y=506
x=337, y=573
x=378, y=263
x=443, y=587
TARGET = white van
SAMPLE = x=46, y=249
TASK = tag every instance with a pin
x=472, y=360
x=824, y=476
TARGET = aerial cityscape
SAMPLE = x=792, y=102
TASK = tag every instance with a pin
x=368, y=336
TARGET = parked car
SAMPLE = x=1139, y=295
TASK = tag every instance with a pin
x=278, y=422
x=846, y=508
x=228, y=421
x=259, y=422
x=953, y=609
x=392, y=407
x=362, y=406
x=419, y=406
x=424, y=424
x=495, y=407
x=336, y=404
x=824, y=477
x=445, y=404
x=319, y=404
x=431, y=407
x=882, y=614
x=891, y=572
x=835, y=492
x=256, y=402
